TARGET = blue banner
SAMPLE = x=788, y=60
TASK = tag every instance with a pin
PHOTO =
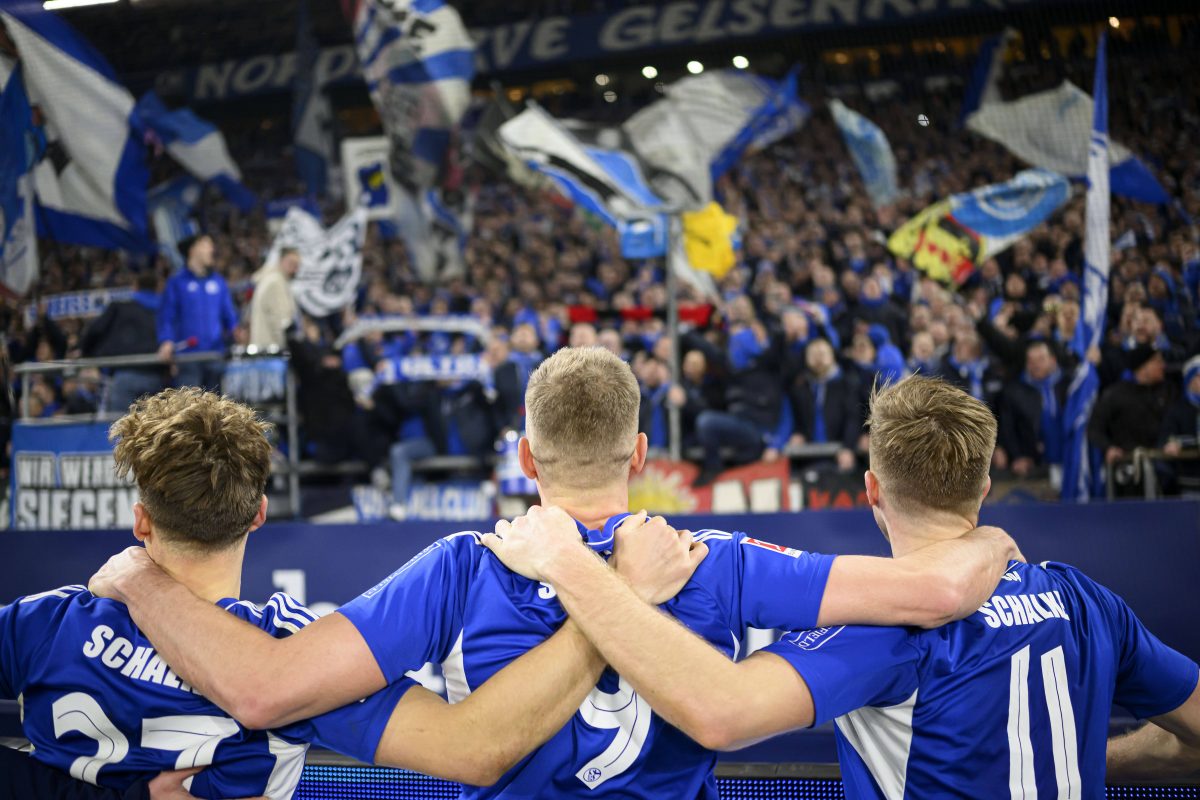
x=63, y=479
x=326, y=565
x=542, y=41
x=871, y=151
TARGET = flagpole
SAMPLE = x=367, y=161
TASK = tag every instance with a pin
x=674, y=421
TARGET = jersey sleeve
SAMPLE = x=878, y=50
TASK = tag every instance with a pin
x=1152, y=679
x=356, y=729
x=768, y=585
x=851, y=666
x=23, y=640
x=414, y=615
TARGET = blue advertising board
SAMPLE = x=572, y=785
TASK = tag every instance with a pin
x=1146, y=552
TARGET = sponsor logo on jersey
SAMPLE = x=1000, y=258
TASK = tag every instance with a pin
x=813, y=639
x=774, y=548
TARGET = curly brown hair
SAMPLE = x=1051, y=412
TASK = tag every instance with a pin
x=200, y=461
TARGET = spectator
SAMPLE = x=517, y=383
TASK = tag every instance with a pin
x=1030, y=417
x=526, y=354
x=196, y=315
x=503, y=387
x=273, y=308
x=127, y=328
x=610, y=340
x=583, y=334
x=757, y=421
x=696, y=393
x=825, y=403
x=1181, y=431
x=654, y=378
x=1130, y=413
x=968, y=368
x=923, y=355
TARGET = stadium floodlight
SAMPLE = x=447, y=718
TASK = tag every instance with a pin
x=695, y=67
x=649, y=73
x=741, y=62
x=1114, y=22
x=602, y=79
x=610, y=97
x=58, y=5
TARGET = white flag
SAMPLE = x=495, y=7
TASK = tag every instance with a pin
x=330, y=260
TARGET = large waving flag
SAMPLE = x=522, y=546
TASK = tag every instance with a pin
x=1050, y=130
x=19, y=149
x=951, y=238
x=1081, y=468
x=983, y=87
x=91, y=185
x=311, y=113
x=871, y=151
x=171, y=205
x=197, y=145
x=606, y=181
x=418, y=61
x=705, y=123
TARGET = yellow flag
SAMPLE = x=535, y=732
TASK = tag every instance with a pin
x=708, y=239
x=937, y=245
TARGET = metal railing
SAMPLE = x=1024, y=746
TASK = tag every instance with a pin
x=286, y=418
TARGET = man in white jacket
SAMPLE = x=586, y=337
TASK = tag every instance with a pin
x=273, y=308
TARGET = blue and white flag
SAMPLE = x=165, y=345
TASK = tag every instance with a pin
x=1050, y=130
x=871, y=151
x=197, y=145
x=19, y=149
x=311, y=114
x=606, y=182
x=1081, y=467
x=703, y=126
x=418, y=61
x=171, y=205
x=91, y=185
x=985, y=77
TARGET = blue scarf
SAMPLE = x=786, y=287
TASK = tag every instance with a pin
x=1051, y=429
x=972, y=372
x=743, y=348
x=658, y=415
x=819, y=434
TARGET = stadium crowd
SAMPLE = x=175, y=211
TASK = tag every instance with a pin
x=814, y=314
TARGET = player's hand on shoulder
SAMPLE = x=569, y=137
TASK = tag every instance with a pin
x=124, y=566
x=1003, y=541
x=654, y=558
x=169, y=786
x=533, y=544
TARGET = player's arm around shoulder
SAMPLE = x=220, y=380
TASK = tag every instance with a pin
x=260, y=681
x=939, y=583
x=1166, y=747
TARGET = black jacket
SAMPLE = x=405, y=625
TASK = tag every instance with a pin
x=843, y=422
x=1129, y=415
x=125, y=328
x=1020, y=418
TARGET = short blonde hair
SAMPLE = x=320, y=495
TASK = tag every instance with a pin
x=200, y=461
x=581, y=416
x=931, y=445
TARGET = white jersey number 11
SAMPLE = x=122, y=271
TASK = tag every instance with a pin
x=1022, y=780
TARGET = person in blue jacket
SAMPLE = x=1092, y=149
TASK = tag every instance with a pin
x=196, y=315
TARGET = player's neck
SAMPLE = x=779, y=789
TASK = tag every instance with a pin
x=209, y=576
x=909, y=534
x=592, y=508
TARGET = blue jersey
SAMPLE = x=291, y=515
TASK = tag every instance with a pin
x=1013, y=701
x=99, y=703
x=457, y=606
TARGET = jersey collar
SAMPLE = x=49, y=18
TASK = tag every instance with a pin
x=601, y=540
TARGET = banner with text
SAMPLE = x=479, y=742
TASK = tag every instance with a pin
x=536, y=43
x=63, y=479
